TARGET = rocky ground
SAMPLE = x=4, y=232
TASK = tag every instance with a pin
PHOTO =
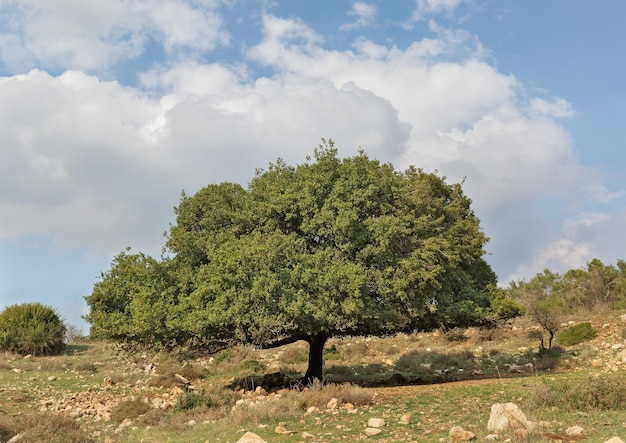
x=95, y=396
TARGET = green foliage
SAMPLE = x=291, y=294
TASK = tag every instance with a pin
x=331, y=247
x=31, y=328
x=253, y=366
x=455, y=334
x=422, y=362
x=192, y=400
x=596, y=285
x=576, y=334
x=331, y=353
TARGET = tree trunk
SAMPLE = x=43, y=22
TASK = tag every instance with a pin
x=316, y=358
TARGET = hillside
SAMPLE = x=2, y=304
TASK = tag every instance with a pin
x=100, y=392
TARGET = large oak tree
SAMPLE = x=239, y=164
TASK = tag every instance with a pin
x=331, y=247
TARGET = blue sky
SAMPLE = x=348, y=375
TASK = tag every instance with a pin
x=109, y=108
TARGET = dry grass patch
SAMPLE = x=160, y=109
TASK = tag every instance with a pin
x=129, y=409
x=44, y=428
x=597, y=392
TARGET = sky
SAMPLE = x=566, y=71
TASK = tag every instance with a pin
x=110, y=108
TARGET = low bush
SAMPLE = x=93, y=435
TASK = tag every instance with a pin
x=603, y=392
x=455, y=335
x=129, y=409
x=576, y=334
x=320, y=394
x=31, y=328
x=253, y=366
x=192, y=400
x=44, y=428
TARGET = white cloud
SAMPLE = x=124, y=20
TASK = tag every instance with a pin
x=91, y=162
x=94, y=35
x=426, y=8
x=596, y=192
x=364, y=14
x=557, y=107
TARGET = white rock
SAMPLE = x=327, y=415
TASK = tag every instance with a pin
x=376, y=422
x=372, y=431
x=250, y=437
x=506, y=416
x=332, y=403
x=406, y=418
x=574, y=431
x=614, y=439
x=457, y=433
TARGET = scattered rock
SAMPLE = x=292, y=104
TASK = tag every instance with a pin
x=149, y=368
x=615, y=439
x=306, y=434
x=561, y=438
x=184, y=383
x=492, y=437
x=370, y=432
x=623, y=318
x=520, y=369
x=250, y=437
x=281, y=429
x=260, y=391
x=191, y=423
x=574, y=431
x=332, y=403
x=312, y=409
x=107, y=381
x=506, y=416
x=52, y=378
x=376, y=423
x=457, y=433
x=521, y=434
x=406, y=418
x=17, y=370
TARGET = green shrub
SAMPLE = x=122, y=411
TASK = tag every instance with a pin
x=331, y=353
x=253, y=366
x=455, y=334
x=31, y=328
x=192, y=400
x=576, y=334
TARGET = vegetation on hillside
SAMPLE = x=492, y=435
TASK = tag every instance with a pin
x=31, y=328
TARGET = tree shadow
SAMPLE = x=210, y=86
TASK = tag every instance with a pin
x=417, y=367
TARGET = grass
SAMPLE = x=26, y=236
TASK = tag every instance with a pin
x=558, y=395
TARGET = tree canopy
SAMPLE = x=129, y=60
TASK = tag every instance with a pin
x=331, y=247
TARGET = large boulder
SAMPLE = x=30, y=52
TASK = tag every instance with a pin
x=506, y=416
x=250, y=437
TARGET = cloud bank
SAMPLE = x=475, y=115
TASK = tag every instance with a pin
x=89, y=161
